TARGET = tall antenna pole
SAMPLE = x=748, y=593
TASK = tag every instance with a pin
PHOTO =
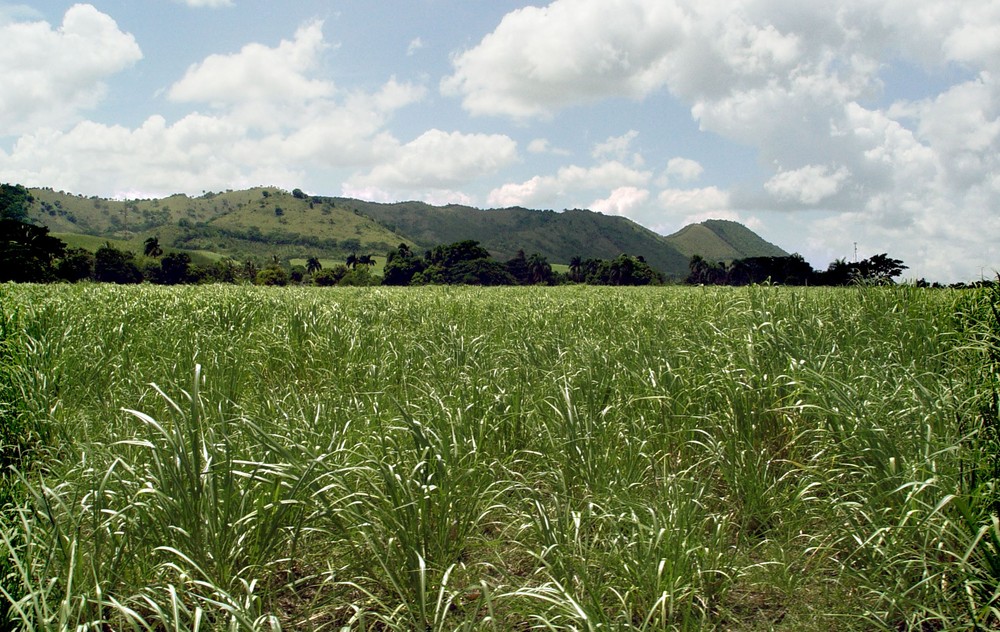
x=855, y=252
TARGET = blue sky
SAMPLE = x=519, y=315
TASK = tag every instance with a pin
x=819, y=125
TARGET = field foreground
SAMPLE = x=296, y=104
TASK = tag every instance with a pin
x=501, y=459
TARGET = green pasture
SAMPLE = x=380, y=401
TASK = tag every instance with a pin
x=439, y=458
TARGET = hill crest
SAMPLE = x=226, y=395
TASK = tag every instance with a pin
x=267, y=221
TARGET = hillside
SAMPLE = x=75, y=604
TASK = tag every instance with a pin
x=722, y=240
x=258, y=222
x=558, y=236
x=265, y=222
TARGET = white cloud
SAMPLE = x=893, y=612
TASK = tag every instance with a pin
x=542, y=191
x=615, y=147
x=689, y=202
x=258, y=74
x=438, y=160
x=542, y=58
x=543, y=146
x=415, y=45
x=51, y=75
x=684, y=169
x=622, y=201
x=808, y=185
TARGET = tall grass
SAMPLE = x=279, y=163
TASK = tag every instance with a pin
x=558, y=458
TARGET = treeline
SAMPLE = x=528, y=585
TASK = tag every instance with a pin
x=880, y=269
x=29, y=254
x=468, y=263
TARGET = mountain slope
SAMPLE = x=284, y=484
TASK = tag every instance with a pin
x=722, y=240
x=256, y=222
x=558, y=236
x=265, y=222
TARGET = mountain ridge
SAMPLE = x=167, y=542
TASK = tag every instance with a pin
x=266, y=221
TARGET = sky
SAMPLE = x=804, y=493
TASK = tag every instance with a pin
x=835, y=129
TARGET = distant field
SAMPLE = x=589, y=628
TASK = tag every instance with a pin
x=442, y=458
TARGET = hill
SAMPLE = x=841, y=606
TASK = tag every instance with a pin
x=561, y=236
x=258, y=222
x=722, y=240
x=264, y=222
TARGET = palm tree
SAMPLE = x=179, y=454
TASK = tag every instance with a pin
x=352, y=261
x=151, y=247
x=313, y=265
x=539, y=269
x=366, y=260
x=575, y=267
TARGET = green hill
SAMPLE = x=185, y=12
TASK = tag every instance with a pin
x=266, y=222
x=257, y=222
x=722, y=240
x=558, y=236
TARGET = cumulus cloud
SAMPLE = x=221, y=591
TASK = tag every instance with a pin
x=258, y=73
x=622, y=201
x=616, y=147
x=706, y=202
x=572, y=180
x=439, y=160
x=542, y=58
x=271, y=120
x=543, y=146
x=808, y=185
x=684, y=169
x=52, y=74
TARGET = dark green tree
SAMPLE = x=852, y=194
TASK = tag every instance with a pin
x=313, y=265
x=151, y=247
x=115, y=266
x=76, y=264
x=518, y=268
x=330, y=276
x=540, y=272
x=401, y=266
x=175, y=269
x=272, y=275
x=27, y=252
x=15, y=201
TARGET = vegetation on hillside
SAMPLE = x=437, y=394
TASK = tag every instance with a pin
x=262, y=222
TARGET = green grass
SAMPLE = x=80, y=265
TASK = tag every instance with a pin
x=568, y=458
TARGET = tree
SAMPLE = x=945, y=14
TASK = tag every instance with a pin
x=15, y=200
x=313, y=265
x=115, y=266
x=539, y=270
x=365, y=260
x=298, y=194
x=880, y=269
x=272, y=276
x=401, y=266
x=151, y=247
x=77, y=264
x=27, y=252
x=518, y=268
x=330, y=276
x=352, y=261
x=175, y=269
x=576, y=268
